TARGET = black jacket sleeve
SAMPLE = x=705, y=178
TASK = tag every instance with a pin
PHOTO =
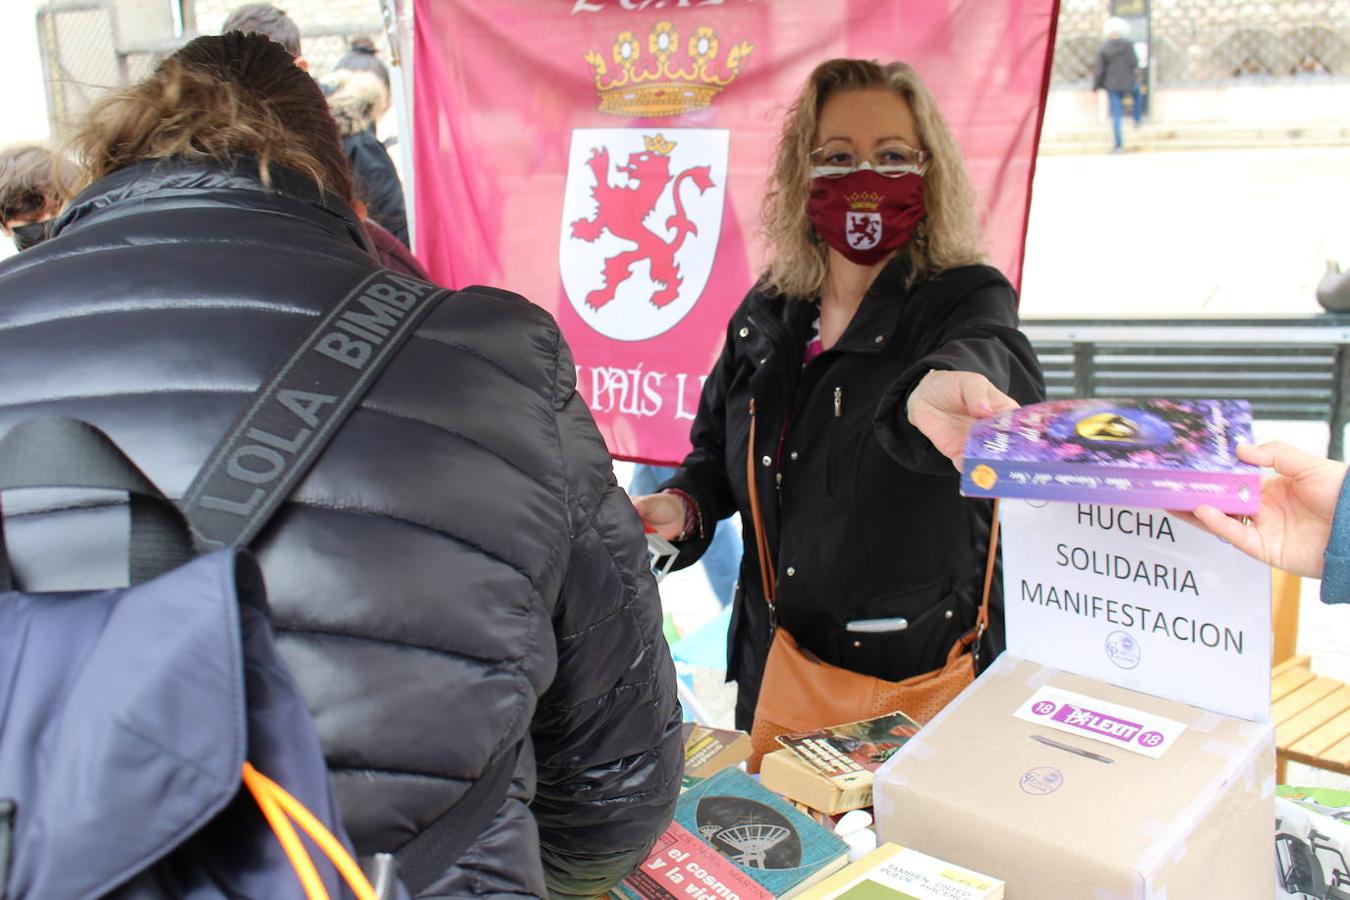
x=979, y=334
x=607, y=731
x=703, y=474
x=1099, y=71
x=377, y=183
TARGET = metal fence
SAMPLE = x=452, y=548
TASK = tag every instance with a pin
x=89, y=47
x=1197, y=42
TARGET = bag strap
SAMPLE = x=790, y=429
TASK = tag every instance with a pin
x=768, y=574
x=298, y=410
x=991, y=560
x=424, y=859
x=67, y=453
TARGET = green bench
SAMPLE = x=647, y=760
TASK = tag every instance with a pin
x=1289, y=367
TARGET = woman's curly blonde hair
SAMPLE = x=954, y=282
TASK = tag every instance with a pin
x=949, y=234
x=220, y=97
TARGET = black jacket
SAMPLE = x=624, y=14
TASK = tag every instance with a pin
x=863, y=513
x=1117, y=66
x=458, y=574
x=354, y=99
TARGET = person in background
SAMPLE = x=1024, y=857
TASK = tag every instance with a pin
x=864, y=354
x=1117, y=72
x=1303, y=525
x=722, y=560
x=358, y=95
x=357, y=107
x=458, y=578
x=30, y=192
x=266, y=19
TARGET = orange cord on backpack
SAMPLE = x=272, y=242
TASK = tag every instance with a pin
x=276, y=805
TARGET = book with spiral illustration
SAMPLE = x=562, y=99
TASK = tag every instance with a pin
x=1164, y=454
x=733, y=836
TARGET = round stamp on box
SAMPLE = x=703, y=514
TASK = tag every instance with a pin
x=1041, y=781
x=1123, y=650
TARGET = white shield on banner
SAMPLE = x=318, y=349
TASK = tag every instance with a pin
x=1140, y=599
x=642, y=213
x=863, y=230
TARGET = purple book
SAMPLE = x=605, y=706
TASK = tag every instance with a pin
x=1167, y=454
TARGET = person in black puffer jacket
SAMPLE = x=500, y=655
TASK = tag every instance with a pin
x=358, y=95
x=457, y=576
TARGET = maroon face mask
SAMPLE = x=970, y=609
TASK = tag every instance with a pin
x=864, y=215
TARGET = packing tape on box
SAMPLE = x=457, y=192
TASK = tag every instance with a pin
x=1041, y=677
x=1173, y=836
x=1206, y=723
x=1104, y=894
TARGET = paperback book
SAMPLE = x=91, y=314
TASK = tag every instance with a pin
x=848, y=754
x=1165, y=454
x=707, y=751
x=892, y=872
x=731, y=836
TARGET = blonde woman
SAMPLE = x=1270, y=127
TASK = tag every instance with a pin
x=870, y=344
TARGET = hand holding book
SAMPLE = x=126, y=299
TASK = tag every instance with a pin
x=945, y=405
x=1291, y=528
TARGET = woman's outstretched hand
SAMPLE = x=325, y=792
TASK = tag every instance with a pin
x=945, y=405
x=1298, y=504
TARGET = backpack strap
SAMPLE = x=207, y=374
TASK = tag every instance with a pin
x=279, y=437
x=59, y=452
x=298, y=410
x=426, y=857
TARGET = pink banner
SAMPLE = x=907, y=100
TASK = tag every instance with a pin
x=607, y=158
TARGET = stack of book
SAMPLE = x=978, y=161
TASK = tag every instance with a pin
x=708, y=751
x=831, y=769
x=733, y=837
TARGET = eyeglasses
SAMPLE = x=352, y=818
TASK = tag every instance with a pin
x=891, y=159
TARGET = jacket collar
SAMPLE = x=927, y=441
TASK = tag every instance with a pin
x=873, y=325
x=167, y=183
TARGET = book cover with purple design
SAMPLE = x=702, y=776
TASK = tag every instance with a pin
x=1166, y=454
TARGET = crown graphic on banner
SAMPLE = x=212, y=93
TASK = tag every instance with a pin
x=660, y=80
x=658, y=144
x=864, y=200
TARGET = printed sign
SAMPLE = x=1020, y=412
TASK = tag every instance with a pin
x=1099, y=720
x=1140, y=599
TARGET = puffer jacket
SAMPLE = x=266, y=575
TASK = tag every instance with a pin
x=355, y=99
x=458, y=574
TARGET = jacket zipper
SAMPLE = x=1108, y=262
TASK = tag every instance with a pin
x=832, y=450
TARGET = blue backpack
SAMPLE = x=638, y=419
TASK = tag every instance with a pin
x=152, y=743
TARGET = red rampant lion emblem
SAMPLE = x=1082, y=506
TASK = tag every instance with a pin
x=623, y=210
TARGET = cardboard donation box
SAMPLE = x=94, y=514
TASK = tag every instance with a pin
x=1065, y=788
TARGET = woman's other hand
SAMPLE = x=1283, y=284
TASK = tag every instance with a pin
x=1291, y=528
x=662, y=513
x=945, y=405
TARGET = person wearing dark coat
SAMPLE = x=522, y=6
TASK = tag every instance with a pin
x=457, y=577
x=868, y=348
x=357, y=100
x=1117, y=72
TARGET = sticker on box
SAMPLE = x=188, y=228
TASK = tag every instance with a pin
x=1109, y=723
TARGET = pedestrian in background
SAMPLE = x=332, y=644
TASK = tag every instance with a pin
x=30, y=195
x=1117, y=73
